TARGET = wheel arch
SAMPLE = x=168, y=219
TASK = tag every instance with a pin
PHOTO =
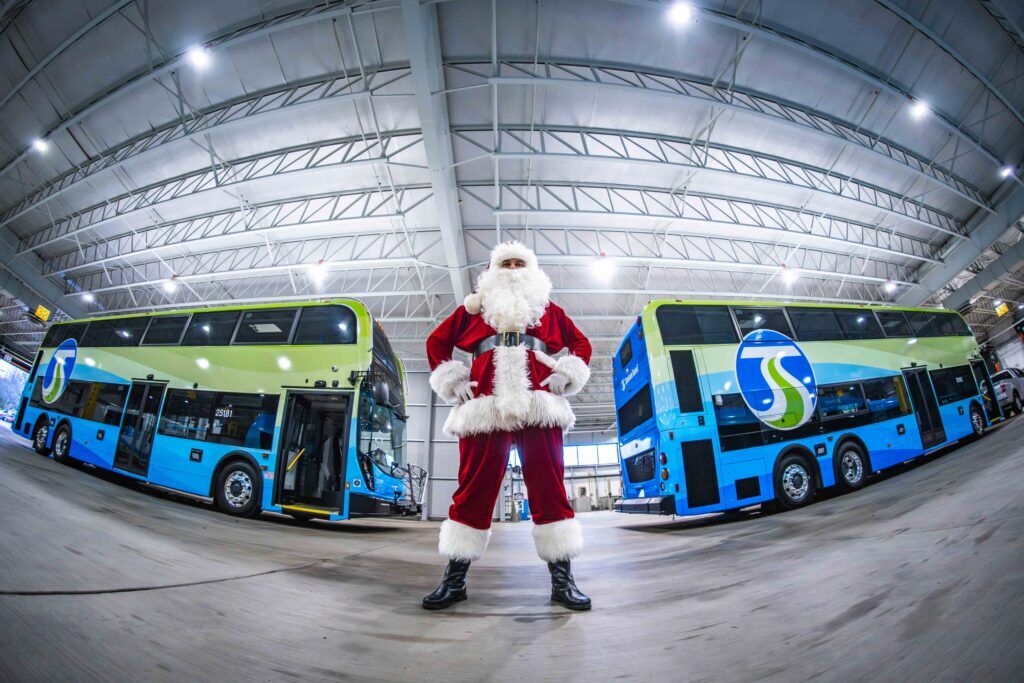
x=803, y=452
x=233, y=457
x=850, y=438
x=43, y=417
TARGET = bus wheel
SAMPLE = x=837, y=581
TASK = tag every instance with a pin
x=853, y=467
x=62, y=444
x=238, y=490
x=794, y=483
x=39, y=437
x=978, y=421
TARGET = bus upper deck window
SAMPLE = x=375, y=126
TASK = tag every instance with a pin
x=211, y=329
x=326, y=325
x=751, y=319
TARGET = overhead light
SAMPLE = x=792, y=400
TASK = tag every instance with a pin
x=199, y=57
x=1006, y=171
x=789, y=276
x=997, y=302
x=603, y=267
x=89, y=297
x=681, y=13
x=889, y=286
x=40, y=145
x=318, y=273
x=919, y=109
x=170, y=286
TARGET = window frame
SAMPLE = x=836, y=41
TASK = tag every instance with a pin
x=238, y=319
x=857, y=413
x=303, y=309
x=885, y=334
x=291, y=331
x=815, y=309
x=181, y=335
x=677, y=304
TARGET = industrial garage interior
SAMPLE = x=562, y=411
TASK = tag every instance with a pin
x=321, y=185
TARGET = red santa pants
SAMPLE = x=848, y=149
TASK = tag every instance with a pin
x=482, y=462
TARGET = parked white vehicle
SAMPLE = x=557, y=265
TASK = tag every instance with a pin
x=1009, y=385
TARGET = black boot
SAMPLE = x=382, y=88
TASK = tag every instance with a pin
x=452, y=588
x=563, y=587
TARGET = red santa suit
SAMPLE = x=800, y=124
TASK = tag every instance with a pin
x=510, y=395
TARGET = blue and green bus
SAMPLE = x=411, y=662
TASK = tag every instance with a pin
x=722, y=405
x=296, y=408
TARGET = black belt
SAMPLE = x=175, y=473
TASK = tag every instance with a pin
x=509, y=339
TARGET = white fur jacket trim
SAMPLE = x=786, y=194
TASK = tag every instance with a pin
x=447, y=378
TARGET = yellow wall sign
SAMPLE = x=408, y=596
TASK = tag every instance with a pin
x=42, y=312
x=1002, y=309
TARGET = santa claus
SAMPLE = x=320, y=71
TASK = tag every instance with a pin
x=514, y=393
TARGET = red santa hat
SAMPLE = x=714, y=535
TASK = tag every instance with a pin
x=501, y=253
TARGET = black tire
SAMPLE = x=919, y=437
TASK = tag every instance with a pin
x=978, y=422
x=62, y=444
x=1017, y=405
x=794, y=482
x=238, y=490
x=39, y=436
x=852, y=466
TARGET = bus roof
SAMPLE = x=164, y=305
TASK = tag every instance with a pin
x=352, y=303
x=654, y=303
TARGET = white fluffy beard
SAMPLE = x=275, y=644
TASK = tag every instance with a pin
x=513, y=299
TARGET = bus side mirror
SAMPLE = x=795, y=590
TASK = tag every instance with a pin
x=381, y=393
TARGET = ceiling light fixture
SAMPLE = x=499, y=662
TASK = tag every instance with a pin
x=889, y=286
x=1006, y=172
x=89, y=297
x=40, y=145
x=919, y=109
x=318, y=273
x=199, y=57
x=681, y=13
x=789, y=276
x=170, y=286
x=603, y=267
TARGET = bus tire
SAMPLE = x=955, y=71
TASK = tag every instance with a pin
x=238, y=490
x=978, y=425
x=62, y=444
x=794, y=482
x=851, y=466
x=39, y=436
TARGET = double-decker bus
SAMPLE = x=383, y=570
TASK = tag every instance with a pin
x=296, y=408
x=723, y=405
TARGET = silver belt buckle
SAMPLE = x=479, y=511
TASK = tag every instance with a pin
x=509, y=339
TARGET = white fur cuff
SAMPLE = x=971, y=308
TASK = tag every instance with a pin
x=561, y=540
x=447, y=377
x=459, y=541
x=575, y=370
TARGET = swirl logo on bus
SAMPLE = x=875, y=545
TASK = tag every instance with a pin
x=776, y=379
x=58, y=372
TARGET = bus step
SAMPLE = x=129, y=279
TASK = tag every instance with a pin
x=310, y=510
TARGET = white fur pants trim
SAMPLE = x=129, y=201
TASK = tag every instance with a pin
x=561, y=540
x=459, y=541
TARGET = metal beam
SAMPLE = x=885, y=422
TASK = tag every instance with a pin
x=564, y=200
x=21, y=279
x=951, y=51
x=567, y=143
x=348, y=153
x=984, y=230
x=57, y=51
x=1005, y=22
x=242, y=111
x=591, y=74
x=423, y=43
x=236, y=35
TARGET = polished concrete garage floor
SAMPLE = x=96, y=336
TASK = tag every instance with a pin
x=921, y=575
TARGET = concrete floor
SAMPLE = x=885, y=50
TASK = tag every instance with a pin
x=918, y=576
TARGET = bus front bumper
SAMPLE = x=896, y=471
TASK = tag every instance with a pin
x=655, y=505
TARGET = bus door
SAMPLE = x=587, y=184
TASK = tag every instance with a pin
x=988, y=393
x=311, y=463
x=135, y=441
x=926, y=407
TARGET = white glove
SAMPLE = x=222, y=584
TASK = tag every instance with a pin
x=556, y=383
x=464, y=392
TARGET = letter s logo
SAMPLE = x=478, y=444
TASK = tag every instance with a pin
x=58, y=372
x=776, y=379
